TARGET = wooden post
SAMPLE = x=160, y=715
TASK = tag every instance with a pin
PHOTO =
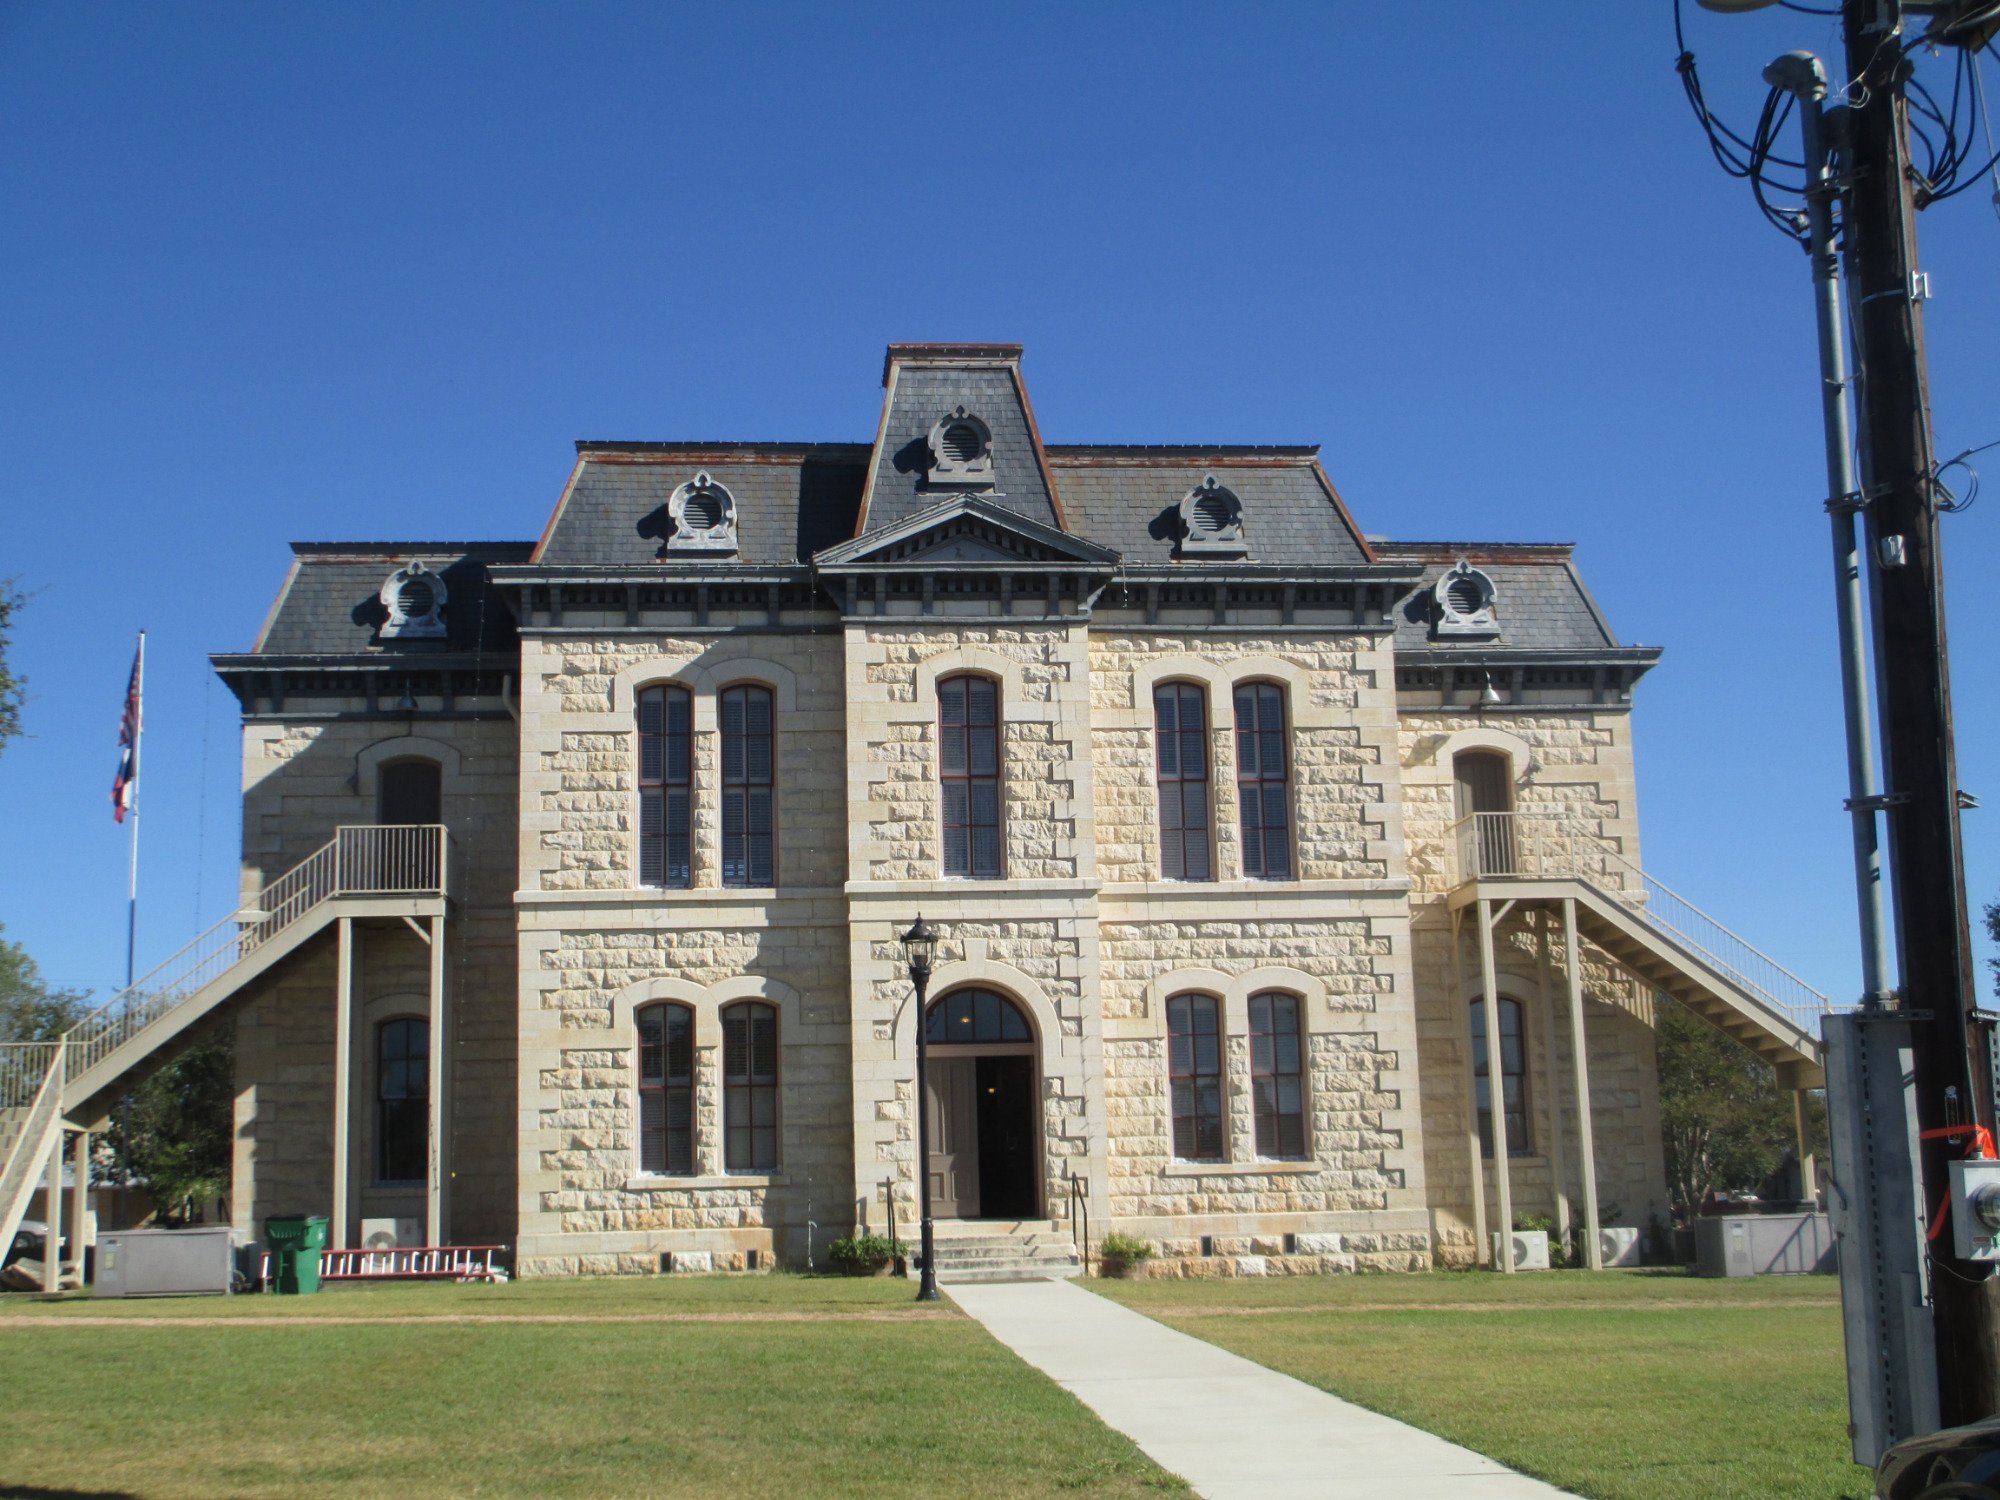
x=52, y=1211
x=1558, y=1153
x=1496, y=1087
x=1579, y=1050
x=1808, y=1173
x=343, y=1079
x=436, y=1205
x=1481, y=1251
x=79, y=1198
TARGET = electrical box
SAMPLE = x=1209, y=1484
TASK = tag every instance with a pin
x=1975, y=1209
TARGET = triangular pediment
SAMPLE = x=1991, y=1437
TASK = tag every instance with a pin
x=968, y=529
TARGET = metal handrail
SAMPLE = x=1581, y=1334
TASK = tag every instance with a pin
x=21, y=1163
x=1515, y=845
x=1079, y=1209
x=359, y=860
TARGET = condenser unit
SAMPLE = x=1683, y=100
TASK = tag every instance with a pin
x=390, y=1234
x=1618, y=1246
x=1531, y=1250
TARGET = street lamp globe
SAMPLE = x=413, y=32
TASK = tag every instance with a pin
x=920, y=945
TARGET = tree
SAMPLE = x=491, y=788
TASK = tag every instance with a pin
x=176, y=1129
x=11, y=687
x=1726, y=1124
x=29, y=1010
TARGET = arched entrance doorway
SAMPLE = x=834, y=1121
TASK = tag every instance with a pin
x=985, y=1124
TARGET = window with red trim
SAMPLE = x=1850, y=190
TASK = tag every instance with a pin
x=969, y=769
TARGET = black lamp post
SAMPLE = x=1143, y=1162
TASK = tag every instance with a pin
x=920, y=943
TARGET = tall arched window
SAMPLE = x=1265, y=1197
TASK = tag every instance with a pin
x=747, y=824
x=969, y=769
x=1180, y=744
x=666, y=1090
x=1194, y=1076
x=1513, y=1077
x=1277, y=1075
x=1262, y=777
x=402, y=1099
x=750, y=1087
x=666, y=787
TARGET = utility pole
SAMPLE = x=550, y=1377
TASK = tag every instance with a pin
x=1953, y=1082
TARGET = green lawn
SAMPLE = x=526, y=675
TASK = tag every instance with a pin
x=1618, y=1385
x=735, y=1386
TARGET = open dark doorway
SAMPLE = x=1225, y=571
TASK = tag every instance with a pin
x=1006, y=1137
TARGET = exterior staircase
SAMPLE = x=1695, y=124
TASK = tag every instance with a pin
x=972, y=1250
x=73, y=1082
x=1663, y=940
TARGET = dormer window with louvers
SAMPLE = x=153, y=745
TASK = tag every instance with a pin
x=961, y=452
x=703, y=513
x=1212, y=521
x=1463, y=597
x=413, y=598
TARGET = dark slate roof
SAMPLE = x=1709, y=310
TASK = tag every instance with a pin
x=1539, y=601
x=792, y=499
x=329, y=605
x=1129, y=499
x=923, y=383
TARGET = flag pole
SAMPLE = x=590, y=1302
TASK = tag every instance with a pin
x=132, y=888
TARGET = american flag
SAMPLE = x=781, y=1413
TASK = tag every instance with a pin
x=127, y=780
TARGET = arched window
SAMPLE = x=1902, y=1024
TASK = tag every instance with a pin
x=1180, y=744
x=402, y=1099
x=1513, y=1077
x=747, y=825
x=1483, y=788
x=975, y=1016
x=666, y=1090
x=1194, y=1076
x=969, y=769
x=666, y=786
x=750, y=1087
x=1277, y=1075
x=1262, y=774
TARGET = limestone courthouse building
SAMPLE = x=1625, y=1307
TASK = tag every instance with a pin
x=1266, y=855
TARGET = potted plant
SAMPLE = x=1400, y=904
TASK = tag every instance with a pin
x=861, y=1255
x=1119, y=1253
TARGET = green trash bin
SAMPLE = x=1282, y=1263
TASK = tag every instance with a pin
x=295, y=1246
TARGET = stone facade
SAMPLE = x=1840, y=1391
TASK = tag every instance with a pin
x=860, y=602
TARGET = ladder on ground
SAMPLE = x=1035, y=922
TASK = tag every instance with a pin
x=1656, y=935
x=398, y=870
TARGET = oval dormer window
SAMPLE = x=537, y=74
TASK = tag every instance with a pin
x=961, y=452
x=704, y=516
x=1464, y=596
x=413, y=600
x=1211, y=521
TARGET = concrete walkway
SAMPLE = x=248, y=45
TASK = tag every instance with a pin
x=1229, y=1427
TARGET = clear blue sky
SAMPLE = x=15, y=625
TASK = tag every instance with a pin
x=365, y=271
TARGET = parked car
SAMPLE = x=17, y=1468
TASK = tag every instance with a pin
x=1959, y=1463
x=31, y=1243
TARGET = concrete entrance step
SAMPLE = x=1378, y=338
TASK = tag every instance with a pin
x=986, y=1251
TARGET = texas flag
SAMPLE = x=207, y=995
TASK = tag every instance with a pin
x=127, y=781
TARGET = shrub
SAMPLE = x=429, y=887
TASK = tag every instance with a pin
x=1118, y=1253
x=859, y=1254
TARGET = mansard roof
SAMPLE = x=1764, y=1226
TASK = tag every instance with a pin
x=1540, y=602
x=330, y=602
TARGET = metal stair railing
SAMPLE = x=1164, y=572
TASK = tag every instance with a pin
x=1530, y=846
x=22, y=1163
x=359, y=860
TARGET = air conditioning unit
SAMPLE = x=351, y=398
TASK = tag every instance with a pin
x=390, y=1234
x=1618, y=1246
x=1531, y=1250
